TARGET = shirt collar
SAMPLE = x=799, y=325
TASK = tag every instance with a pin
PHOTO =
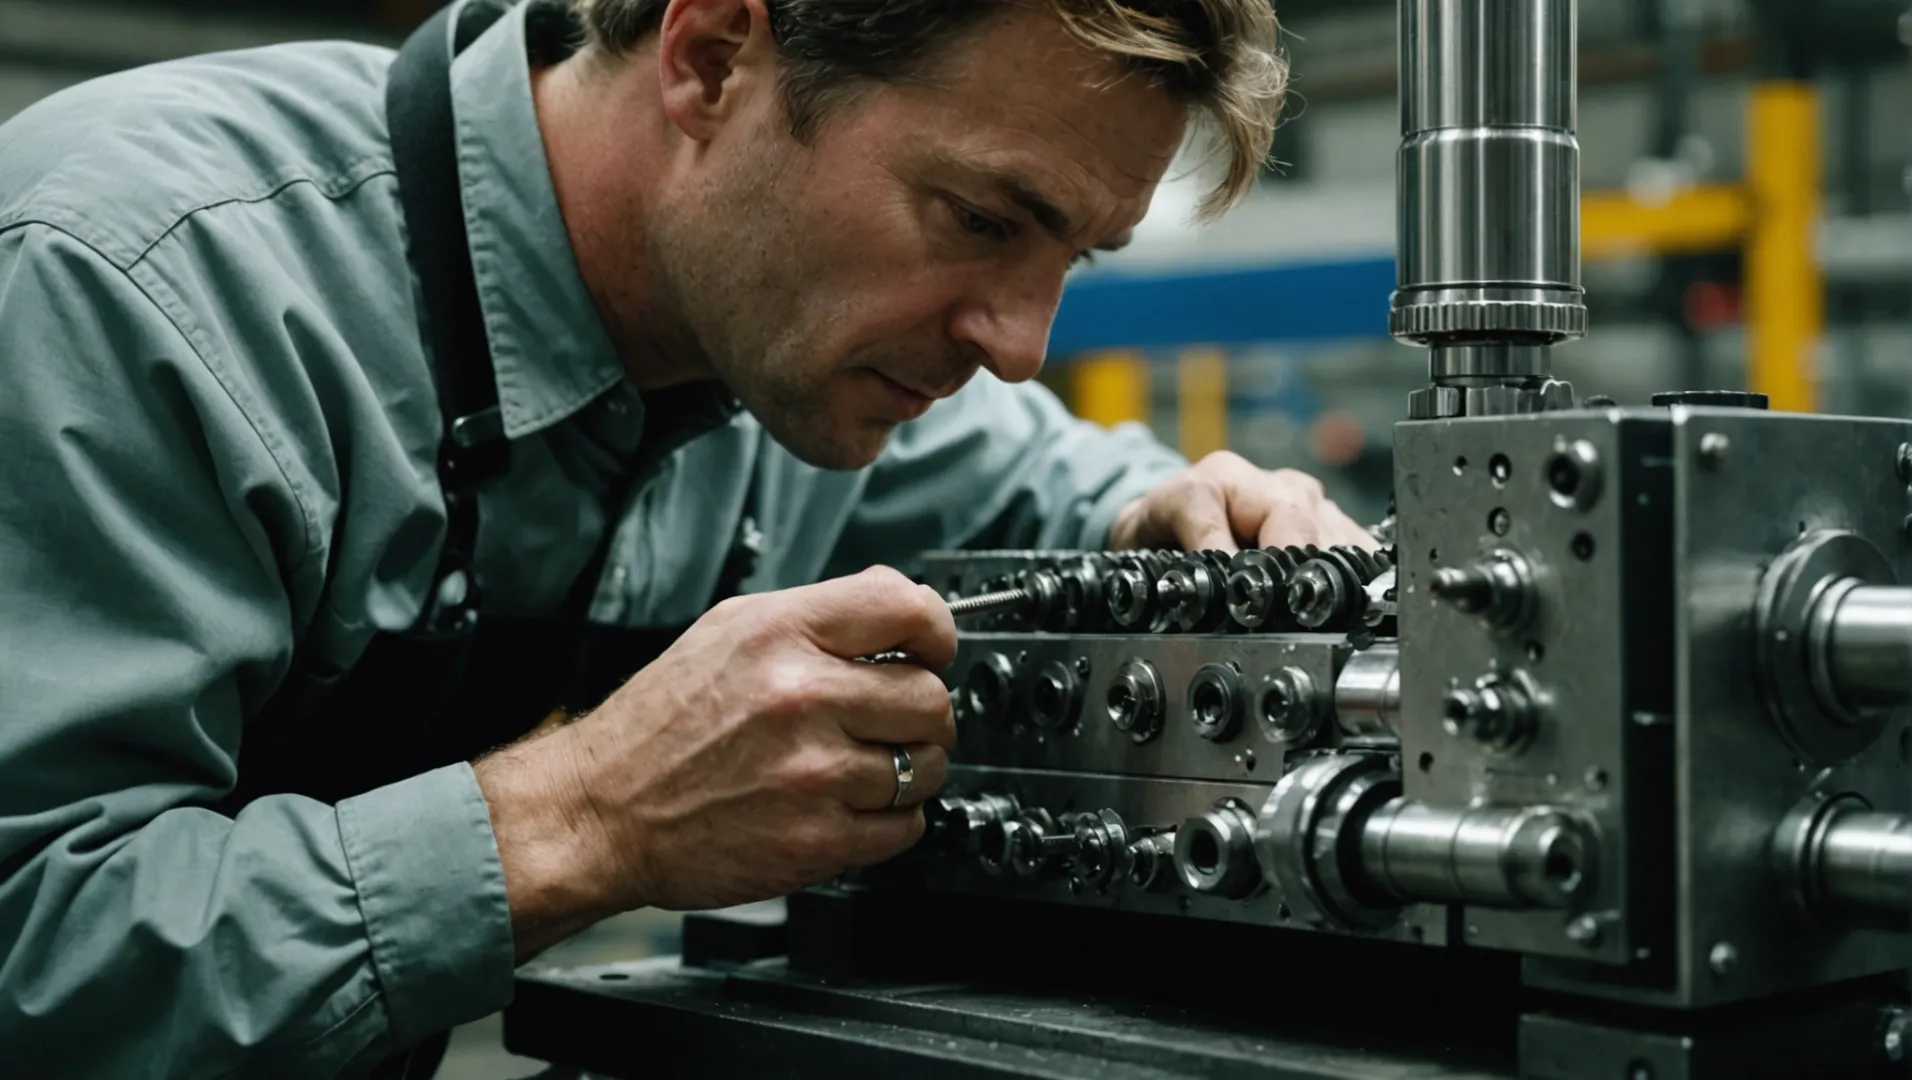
x=549, y=349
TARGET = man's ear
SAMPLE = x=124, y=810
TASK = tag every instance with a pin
x=713, y=55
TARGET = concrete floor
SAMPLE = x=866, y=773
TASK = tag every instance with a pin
x=477, y=1050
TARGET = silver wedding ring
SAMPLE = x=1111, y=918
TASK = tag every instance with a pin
x=905, y=774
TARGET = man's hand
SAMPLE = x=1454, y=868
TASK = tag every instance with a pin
x=1223, y=503
x=750, y=760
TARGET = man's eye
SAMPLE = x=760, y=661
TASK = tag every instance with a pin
x=981, y=225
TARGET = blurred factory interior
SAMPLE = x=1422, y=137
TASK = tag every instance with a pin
x=1746, y=223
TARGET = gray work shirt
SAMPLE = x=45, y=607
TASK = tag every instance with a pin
x=218, y=433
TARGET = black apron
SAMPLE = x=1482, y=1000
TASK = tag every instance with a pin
x=457, y=684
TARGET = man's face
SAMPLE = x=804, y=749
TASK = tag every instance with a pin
x=839, y=287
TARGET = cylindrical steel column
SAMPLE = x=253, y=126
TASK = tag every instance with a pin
x=1367, y=695
x=1488, y=272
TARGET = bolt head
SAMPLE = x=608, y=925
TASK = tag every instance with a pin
x=1723, y=959
x=1584, y=931
x=1896, y=1034
x=1714, y=448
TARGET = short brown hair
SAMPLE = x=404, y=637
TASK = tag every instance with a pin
x=1219, y=55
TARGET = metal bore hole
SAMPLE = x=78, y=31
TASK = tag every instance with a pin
x=1211, y=705
x=1500, y=521
x=1426, y=762
x=1501, y=468
x=1536, y=651
x=1460, y=465
x=1563, y=475
x=1204, y=853
x=1121, y=700
x=1048, y=697
x=1582, y=546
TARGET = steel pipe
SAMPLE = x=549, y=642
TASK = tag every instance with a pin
x=1367, y=695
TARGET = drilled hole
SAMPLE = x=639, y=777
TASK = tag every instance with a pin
x=1204, y=854
x=1582, y=546
x=1210, y=704
x=1563, y=475
x=1501, y=468
x=1048, y=697
x=1460, y=465
x=1427, y=762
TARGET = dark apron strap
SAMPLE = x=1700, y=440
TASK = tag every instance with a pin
x=473, y=449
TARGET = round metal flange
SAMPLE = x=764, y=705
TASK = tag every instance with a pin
x=1800, y=838
x=1336, y=847
x=1286, y=825
x=1814, y=724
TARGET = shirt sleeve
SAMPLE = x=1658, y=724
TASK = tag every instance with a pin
x=1000, y=466
x=146, y=535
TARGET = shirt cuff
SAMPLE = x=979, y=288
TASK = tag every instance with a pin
x=431, y=889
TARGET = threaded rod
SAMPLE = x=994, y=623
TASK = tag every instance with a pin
x=990, y=603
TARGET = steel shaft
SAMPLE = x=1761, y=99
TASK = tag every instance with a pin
x=1868, y=647
x=1489, y=198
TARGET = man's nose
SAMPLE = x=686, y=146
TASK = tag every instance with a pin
x=1008, y=321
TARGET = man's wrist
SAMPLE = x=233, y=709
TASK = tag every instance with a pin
x=554, y=852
